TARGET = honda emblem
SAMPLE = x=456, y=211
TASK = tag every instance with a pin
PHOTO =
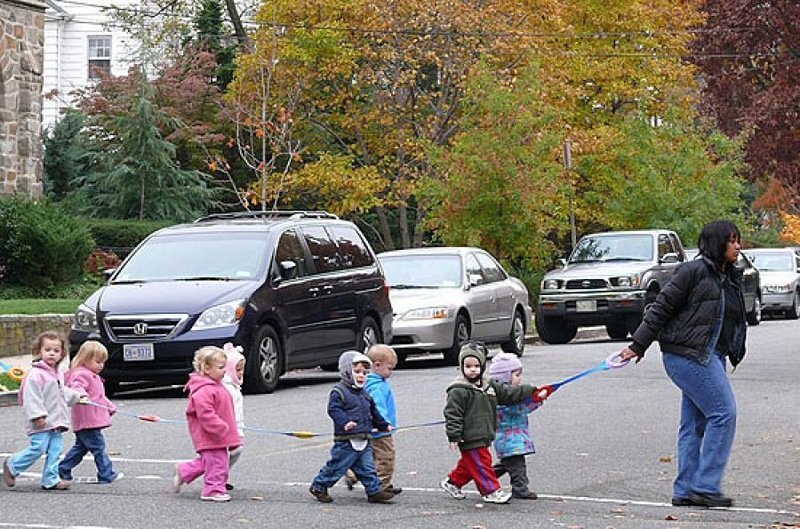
x=140, y=328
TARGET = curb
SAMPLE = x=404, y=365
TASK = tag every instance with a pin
x=8, y=398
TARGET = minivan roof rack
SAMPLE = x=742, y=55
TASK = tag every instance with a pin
x=270, y=214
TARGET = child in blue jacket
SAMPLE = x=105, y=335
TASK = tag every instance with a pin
x=353, y=413
x=513, y=440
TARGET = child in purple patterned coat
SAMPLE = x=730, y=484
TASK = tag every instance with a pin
x=513, y=439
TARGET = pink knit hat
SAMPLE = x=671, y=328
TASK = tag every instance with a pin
x=502, y=365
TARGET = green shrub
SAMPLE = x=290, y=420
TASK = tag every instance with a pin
x=6, y=383
x=122, y=233
x=39, y=244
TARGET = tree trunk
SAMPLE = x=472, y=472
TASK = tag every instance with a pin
x=406, y=240
x=238, y=27
x=419, y=231
x=388, y=241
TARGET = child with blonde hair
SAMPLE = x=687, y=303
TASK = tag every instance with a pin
x=212, y=426
x=88, y=421
x=44, y=399
x=384, y=361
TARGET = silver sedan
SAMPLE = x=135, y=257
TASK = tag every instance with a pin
x=442, y=297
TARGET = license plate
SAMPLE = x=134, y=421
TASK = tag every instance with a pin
x=137, y=352
x=586, y=305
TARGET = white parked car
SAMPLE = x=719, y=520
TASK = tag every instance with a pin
x=780, y=279
x=442, y=297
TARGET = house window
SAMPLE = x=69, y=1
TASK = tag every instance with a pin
x=99, y=56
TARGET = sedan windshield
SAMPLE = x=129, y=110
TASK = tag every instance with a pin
x=773, y=261
x=199, y=257
x=613, y=248
x=422, y=271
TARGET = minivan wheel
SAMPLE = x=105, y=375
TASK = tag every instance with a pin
x=461, y=334
x=110, y=387
x=264, y=362
x=516, y=342
x=370, y=335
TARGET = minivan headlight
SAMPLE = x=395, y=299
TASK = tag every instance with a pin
x=220, y=316
x=85, y=319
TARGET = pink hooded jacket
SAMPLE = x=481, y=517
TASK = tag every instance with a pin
x=210, y=414
x=84, y=380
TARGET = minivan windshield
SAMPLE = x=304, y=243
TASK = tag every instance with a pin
x=628, y=247
x=773, y=261
x=197, y=257
x=422, y=271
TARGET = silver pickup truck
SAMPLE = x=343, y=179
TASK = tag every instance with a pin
x=609, y=279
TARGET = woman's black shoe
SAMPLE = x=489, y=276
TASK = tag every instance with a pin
x=681, y=502
x=710, y=500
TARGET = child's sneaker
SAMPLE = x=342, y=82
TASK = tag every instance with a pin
x=498, y=496
x=454, y=491
x=177, y=482
x=321, y=495
x=216, y=497
x=8, y=477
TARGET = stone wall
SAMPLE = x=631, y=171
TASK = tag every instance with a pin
x=17, y=332
x=21, y=59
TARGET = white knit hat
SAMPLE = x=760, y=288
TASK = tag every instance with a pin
x=502, y=365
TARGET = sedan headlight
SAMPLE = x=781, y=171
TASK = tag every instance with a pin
x=550, y=284
x=428, y=313
x=85, y=319
x=220, y=316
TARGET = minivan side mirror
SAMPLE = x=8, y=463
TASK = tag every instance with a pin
x=107, y=273
x=670, y=257
x=287, y=269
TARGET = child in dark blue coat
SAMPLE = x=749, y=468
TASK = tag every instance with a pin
x=354, y=416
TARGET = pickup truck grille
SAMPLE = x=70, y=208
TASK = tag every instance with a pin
x=584, y=284
x=146, y=327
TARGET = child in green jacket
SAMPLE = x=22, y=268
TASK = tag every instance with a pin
x=471, y=420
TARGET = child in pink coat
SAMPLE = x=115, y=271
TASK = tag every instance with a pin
x=212, y=426
x=88, y=421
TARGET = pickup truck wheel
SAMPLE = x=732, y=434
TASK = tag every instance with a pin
x=617, y=331
x=461, y=334
x=554, y=330
x=794, y=311
x=754, y=316
x=516, y=342
x=265, y=362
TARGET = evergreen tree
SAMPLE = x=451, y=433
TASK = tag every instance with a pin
x=211, y=35
x=64, y=155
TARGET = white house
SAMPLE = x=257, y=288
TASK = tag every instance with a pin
x=78, y=42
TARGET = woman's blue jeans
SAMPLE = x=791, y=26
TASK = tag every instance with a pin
x=708, y=423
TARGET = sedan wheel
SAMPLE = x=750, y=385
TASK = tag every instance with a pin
x=754, y=316
x=794, y=311
x=516, y=344
x=460, y=335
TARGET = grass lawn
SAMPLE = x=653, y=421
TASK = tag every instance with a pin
x=39, y=306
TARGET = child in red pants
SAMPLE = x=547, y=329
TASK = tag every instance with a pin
x=471, y=417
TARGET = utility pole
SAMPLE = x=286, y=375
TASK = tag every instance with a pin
x=568, y=167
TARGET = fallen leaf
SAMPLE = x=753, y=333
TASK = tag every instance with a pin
x=257, y=498
x=671, y=517
x=665, y=459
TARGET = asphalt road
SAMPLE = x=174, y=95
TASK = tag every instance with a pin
x=605, y=454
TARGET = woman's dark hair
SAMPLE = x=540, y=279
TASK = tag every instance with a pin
x=714, y=237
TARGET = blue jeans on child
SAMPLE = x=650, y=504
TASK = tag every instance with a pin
x=344, y=456
x=49, y=443
x=90, y=440
x=708, y=423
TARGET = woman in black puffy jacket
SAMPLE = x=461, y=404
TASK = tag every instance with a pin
x=699, y=321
